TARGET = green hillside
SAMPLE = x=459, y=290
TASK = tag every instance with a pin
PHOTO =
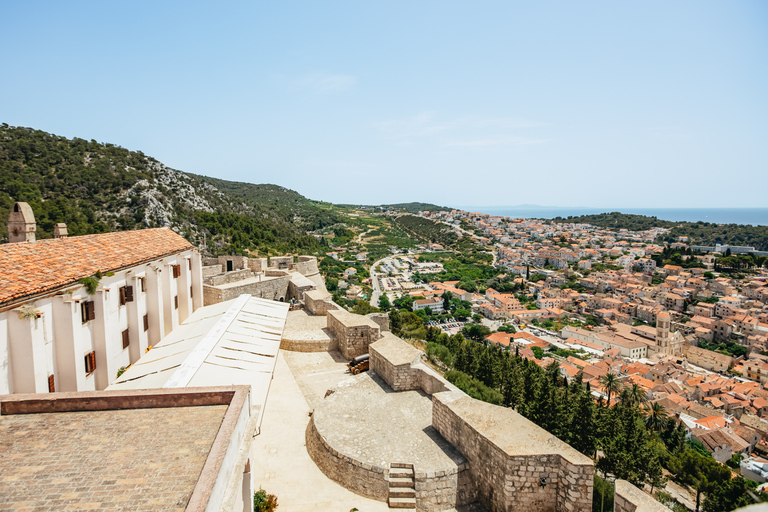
x=698, y=233
x=96, y=187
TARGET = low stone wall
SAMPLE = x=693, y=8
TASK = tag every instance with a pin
x=212, y=270
x=515, y=464
x=298, y=285
x=357, y=476
x=394, y=360
x=321, y=345
x=281, y=262
x=354, y=333
x=257, y=264
x=382, y=319
x=444, y=489
x=307, y=265
x=227, y=277
x=272, y=289
x=628, y=498
x=319, y=302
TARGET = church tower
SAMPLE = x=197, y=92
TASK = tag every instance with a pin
x=21, y=223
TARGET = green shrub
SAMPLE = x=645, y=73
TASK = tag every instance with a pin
x=263, y=502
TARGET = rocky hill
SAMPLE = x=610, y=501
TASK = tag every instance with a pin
x=96, y=187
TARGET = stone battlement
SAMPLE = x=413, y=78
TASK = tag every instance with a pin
x=354, y=333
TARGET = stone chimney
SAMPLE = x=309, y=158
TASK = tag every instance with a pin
x=60, y=230
x=21, y=223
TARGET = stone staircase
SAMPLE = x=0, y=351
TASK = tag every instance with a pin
x=402, y=485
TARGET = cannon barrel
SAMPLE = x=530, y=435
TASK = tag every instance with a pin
x=359, y=359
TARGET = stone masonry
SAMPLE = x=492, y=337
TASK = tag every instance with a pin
x=354, y=333
x=628, y=498
x=319, y=302
x=516, y=465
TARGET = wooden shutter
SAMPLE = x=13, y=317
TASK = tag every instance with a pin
x=51, y=384
x=176, y=271
x=126, y=339
x=91, y=310
x=190, y=263
x=122, y=295
x=129, y=294
x=143, y=281
x=84, y=311
x=146, y=322
x=176, y=302
x=90, y=362
x=190, y=292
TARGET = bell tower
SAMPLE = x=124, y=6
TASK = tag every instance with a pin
x=21, y=223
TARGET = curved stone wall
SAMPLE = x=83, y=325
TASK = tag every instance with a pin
x=360, y=477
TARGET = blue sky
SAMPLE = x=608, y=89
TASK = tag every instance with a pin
x=601, y=104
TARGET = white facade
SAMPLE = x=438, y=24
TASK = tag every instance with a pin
x=45, y=342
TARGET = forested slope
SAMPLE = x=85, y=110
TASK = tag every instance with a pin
x=96, y=187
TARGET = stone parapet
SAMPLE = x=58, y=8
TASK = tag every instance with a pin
x=307, y=265
x=319, y=302
x=354, y=333
x=363, y=478
x=515, y=464
x=380, y=318
x=628, y=498
x=227, y=277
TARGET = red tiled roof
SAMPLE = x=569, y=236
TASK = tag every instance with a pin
x=32, y=268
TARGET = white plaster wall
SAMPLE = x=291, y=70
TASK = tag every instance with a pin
x=6, y=378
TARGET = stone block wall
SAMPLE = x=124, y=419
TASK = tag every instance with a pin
x=393, y=360
x=272, y=289
x=445, y=489
x=298, y=286
x=515, y=464
x=360, y=477
x=380, y=318
x=212, y=270
x=257, y=264
x=628, y=498
x=307, y=265
x=354, y=333
x=281, y=262
x=319, y=302
x=227, y=277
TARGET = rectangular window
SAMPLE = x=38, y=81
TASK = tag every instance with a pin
x=190, y=263
x=143, y=283
x=126, y=294
x=51, y=384
x=88, y=310
x=190, y=291
x=176, y=302
x=176, y=271
x=126, y=339
x=146, y=322
x=90, y=363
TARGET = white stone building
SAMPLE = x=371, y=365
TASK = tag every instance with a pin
x=55, y=336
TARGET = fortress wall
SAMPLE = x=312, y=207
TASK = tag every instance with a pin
x=257, y=264
x=445, y=491
x=319, y=302
x=629, y=498
x=321, y=345
x=393, y=359
x=380, y=318
x=307, y=265
x=212, y=270
x=354, y=333
x=362, y=478
x=509, y=456
x=298, y=286
x=275, y=273
x=281, y=262
x=228, y=277
x=273, y=289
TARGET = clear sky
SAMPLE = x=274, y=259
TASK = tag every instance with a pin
x=604, y=104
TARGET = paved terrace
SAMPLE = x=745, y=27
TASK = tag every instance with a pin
x=284, y=467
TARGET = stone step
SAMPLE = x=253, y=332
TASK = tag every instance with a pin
x=402, y=492
x=401, y=465
x=402, y=503
x=401, y=482
x=401, y=473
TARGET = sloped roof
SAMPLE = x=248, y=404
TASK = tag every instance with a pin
x=32, y=268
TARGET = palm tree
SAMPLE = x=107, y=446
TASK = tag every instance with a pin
x=634, y=395
x=656, y=416
x=611, y=384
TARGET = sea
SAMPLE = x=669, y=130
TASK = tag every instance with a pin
x=745, y=216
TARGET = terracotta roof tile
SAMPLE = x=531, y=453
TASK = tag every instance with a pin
x=32, y=268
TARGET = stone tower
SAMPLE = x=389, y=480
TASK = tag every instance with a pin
x=21, y=223
x=663, y=321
